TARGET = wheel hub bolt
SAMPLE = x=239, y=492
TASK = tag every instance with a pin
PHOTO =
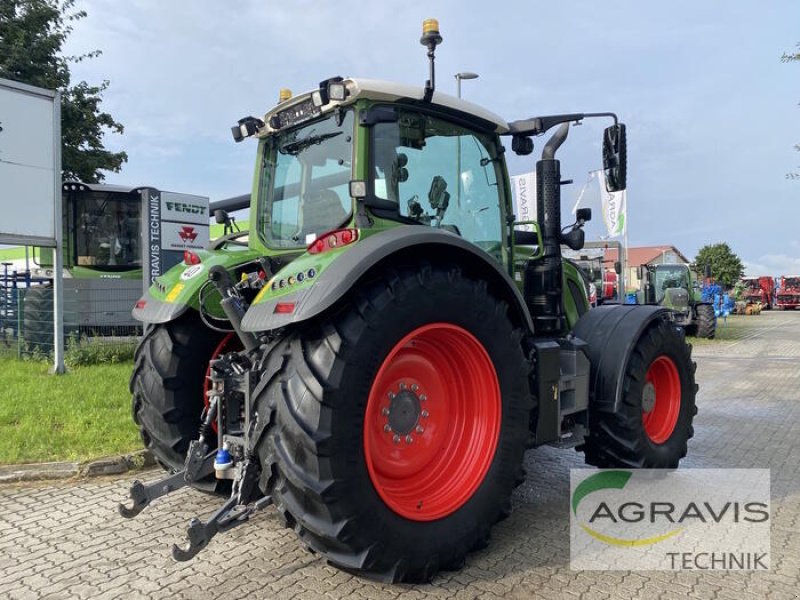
x=391, y=395
x=422, y=398
x=387, y=428
x=420, y=429
x=396, y=439
x=414, y=387
x=425, y=414
x=402, y=386
x=409, y=439
x=385, y=411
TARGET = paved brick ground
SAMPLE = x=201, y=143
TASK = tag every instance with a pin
x=67, y=541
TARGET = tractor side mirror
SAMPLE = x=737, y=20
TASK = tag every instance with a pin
x=617, y=267
x=221, y=216
x=574, y=239
x=615, y=157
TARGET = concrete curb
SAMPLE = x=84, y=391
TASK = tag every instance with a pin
x=112, y=465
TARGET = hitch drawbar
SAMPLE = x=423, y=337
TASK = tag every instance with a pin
x=236, y=510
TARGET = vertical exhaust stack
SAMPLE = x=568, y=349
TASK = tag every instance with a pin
x=430, y=39
x=543, y=280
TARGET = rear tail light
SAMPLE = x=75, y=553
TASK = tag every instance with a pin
x=284, y=308
x=190, y=258
x=333, y=240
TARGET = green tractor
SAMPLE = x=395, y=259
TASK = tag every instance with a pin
x=102, y=266
x=676, y=287
x=376, y=358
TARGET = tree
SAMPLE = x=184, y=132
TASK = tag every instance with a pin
x=32, y=33
x=792, y=58
x=726, y=267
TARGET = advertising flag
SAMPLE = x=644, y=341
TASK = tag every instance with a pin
x=523, y=188
x=614, y=208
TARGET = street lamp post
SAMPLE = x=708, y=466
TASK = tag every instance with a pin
x=463, y=75
x=459, y=77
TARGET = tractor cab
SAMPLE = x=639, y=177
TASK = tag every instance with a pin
x=102, y=225
x=668, y=285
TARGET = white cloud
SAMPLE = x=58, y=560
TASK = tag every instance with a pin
x=773, y=264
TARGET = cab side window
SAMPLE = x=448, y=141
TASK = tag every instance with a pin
x=440, y=174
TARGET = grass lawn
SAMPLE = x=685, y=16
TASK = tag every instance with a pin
x=82, y=415
x=13, y=253
x=735, y=328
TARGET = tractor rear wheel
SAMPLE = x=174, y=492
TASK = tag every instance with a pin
x=653, y=422
x=37, y=308
x=706, y=321
x=392, y=431
x=168, y=384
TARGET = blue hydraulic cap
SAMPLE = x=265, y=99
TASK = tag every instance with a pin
x=223, y=460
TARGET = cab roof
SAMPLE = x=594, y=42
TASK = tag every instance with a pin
x=375, y=89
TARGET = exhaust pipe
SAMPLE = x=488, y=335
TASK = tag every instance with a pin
x=543, y=278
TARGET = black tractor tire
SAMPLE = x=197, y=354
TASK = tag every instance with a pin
x=621, y=438
x=313, y=407
x=37, y=306
x=167, y=384
x=706, y=321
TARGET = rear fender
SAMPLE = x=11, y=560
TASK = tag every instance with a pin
x=611, y=333
x=332, y=280
x=177, y=290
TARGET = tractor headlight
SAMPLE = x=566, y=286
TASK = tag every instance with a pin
x=337, y=91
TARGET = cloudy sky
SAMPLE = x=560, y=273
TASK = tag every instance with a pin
x=712, y=112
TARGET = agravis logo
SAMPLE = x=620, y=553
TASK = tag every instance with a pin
x=660, y=519
x=610, y=480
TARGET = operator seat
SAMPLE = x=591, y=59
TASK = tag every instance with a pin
x=322, y=211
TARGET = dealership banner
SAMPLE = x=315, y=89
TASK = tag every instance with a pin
x=523, y=188
x=658, y=519
x=614, y=208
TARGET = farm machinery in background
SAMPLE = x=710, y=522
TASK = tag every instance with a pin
x=788, y=296
x=110, y=232
x=758, y=294
x=376, y=358
x=677, y=287
x=607, y=282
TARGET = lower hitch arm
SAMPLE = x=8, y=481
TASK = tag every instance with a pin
x=236, y=510
x=199, y=464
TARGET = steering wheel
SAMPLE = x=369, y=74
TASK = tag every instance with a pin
x=231, y=238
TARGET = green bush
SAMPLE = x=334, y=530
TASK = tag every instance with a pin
x=97, y=351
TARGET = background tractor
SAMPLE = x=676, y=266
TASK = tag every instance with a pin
x=676, y=287
x=387, y=344
x=106, y=244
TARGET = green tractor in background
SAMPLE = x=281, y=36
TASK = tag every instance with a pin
x=102, y=266
x=377, y=356
x=677, y=287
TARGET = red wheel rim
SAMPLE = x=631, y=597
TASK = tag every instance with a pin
x=661, y=399
x=229, y=343
x=432, y=422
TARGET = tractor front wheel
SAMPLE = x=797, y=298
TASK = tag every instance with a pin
x=706, y=321
x=392, y=431
x=652, y=424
